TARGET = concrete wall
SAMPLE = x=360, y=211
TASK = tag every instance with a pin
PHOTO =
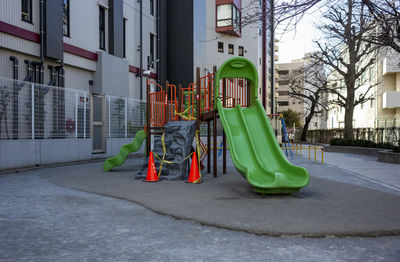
x=53, y=151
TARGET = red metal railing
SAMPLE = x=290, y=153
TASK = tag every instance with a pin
x=206, y=92
x=158, y=104
x=234, y=91
x=188, y=99
x=172, y=102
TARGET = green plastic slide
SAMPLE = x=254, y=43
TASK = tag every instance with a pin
x=125, y=150
x=254, y=149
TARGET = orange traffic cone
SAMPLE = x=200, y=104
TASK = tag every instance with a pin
x=194, y=175
x=151, y=170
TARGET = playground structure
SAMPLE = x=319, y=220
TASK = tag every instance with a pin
x=194, y=102
x=253, y=146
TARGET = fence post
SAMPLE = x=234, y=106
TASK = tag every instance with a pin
x=84, y=115
x=33, y=109
x=109, y=116
x=322, y=156
x=126, y=117
x=315, y=154
x=309, y=156
x=76, y=114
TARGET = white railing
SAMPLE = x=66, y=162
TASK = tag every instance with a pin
x=34, y=111
x=125, y=116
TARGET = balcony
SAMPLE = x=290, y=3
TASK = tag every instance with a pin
x=228, y=18
x=391, y=100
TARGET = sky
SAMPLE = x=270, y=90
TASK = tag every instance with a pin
x=295, y=44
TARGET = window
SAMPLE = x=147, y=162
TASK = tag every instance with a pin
x=283, y=93
x=283, y=82
x=293, y=102
x=283, y=103
x=230, y=49
x=26, y=10
x=152, y=7
x=151, y=50
x=316, y=124
x=236, y=18
x=66, y=18
x=228, y=15
x=124, y=36
x=362, y=105
x=283, y=72
x=241, y=51
x=220, y=47
x=224, y=15
x=102, y=28
x=372, y=103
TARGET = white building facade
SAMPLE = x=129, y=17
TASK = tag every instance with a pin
x=383, y=109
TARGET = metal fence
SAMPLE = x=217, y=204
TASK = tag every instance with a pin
x=125, y=116
x=34, y=111
x=378, y=135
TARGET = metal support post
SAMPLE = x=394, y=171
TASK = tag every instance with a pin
x=33, y=109
x=76, y=114
x=84, y=115
x=126, y=118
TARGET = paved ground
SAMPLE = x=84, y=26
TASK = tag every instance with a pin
x=366, y=167
x=324, y=208
x=40, y=221
x=43, y=222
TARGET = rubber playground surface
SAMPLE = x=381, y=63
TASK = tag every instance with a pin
x=323, y=208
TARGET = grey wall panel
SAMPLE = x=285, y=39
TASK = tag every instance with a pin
x=115, y=27
x=180, y=41
x=163, y=74
x=199, y=34
x=53, y=27
x=111, y=76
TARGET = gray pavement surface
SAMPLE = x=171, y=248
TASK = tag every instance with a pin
x=326, y=207
x=40, y=221
x=363, y=166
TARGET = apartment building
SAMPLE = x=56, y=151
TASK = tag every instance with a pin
x=227, y=37
x=96, y=45
x=284, y=101
x=85, y=64
x=301, y=106
x=383, y=109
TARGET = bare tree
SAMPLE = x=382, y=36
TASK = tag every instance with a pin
x=309, y=84
x=286, y=13
x=344, y=51
x=386, y=18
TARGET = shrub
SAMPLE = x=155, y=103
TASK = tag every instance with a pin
x=363, y=143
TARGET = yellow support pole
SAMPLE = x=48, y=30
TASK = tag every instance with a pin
x=322, y=156
x=315, y=154
x=309, y=154
x=297, y=146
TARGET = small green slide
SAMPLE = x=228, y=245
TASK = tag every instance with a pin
x=254, y=149
x=125, y=150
